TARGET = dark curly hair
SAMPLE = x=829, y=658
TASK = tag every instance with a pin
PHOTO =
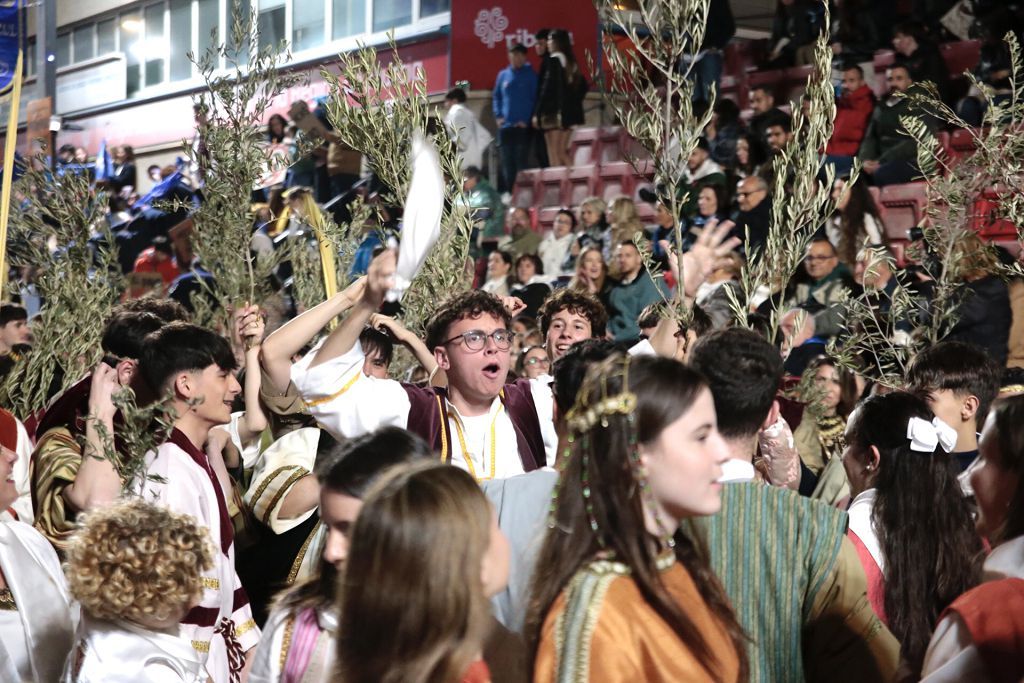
x=471, y=304
x=578, y=302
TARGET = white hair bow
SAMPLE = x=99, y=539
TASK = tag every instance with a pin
x=925, y=436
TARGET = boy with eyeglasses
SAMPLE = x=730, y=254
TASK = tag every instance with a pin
x=480, y=423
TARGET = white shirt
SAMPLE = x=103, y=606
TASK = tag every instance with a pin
x=184, y=487
x=951, y=655
x=122, y=652
x=552, y=251
x=861, y=524
x=347, y=403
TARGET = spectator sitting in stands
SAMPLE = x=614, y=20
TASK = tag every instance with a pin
x=826, y=286
x=762, y=101
x=711, y=206
x=701, y=170
x=754, y=212
x=530, y=283
x=796, y=26
x=855, y=221
x=713, y=294
x=664, y=228
x=631, y=295
x=513, y=100
x=486, y=202
x=624, y=225
x=524, y=239
x=890, y=156
x=593, y=228
x=994, y=69
x=853, y=112
x=499, y=273
x=777, y=137
x=749, y=156
x=554, y=248
x=921, y=56
x=158, y=258
x=983, y=315
x=592, y=275
x=723, y=131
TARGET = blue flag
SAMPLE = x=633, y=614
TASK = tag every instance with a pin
x=104, y=162
x=10, y=41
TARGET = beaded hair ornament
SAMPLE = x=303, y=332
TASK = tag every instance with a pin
x=584, y=420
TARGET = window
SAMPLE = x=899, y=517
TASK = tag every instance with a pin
x=429, y=8
x=106, y=37
x=131, y=44
x=63, y=49
x=155, y=48
x=388, y=14
x=209, y=26
x=307, y=25
x=29, y=61
x=349, y=18
x=270, y=24
x=181, y=39
x=242, y=12
x=82, y=43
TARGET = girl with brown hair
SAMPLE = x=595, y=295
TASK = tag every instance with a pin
x=425, y=555
x=622, y=589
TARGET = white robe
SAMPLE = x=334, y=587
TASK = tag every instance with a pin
x=122, y=652
x=185, y=487
x=471, y=137
x=22, y=507
x=951, y=655
x=34, y=578
x=268, y=664
x=347, y=403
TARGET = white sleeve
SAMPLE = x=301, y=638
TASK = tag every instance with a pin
x=544, y=400
x=952, y=656
x=266, y=667
x=346, y=402
x=23, y=504
x=642, y=348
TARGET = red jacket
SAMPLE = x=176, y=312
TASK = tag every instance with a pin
x=853, y=111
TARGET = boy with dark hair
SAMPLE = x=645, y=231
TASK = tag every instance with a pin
x=686, y=333
x=569, y=316
x=14, y=328
x=959, y=381
x=480, y=423
x=63, y=483
x=167, y=310
x=194, y=366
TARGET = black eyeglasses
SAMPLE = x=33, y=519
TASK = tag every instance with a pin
x=537, y=361
x=477, y=339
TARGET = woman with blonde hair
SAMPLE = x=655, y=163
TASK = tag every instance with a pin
x=592, y=275
x=425, y=556
x=622, y=589
x=136, y=569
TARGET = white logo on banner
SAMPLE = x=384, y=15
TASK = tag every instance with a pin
x=490, y=26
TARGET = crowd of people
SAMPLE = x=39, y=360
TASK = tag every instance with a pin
x=569, y=481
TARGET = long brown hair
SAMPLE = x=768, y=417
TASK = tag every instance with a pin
x=609, y=517
x=411, y=598
x=924, y=526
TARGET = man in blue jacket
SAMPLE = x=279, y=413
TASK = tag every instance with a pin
x=515, y=93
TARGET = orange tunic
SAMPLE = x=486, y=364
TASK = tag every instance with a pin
x=600, y=629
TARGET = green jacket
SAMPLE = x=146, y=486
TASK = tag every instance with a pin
x=483, y=196
x=885, y=139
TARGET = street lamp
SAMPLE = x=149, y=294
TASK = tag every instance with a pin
x=55, y=124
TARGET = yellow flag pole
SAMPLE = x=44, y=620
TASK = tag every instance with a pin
x=8, y=174
x=327, y=262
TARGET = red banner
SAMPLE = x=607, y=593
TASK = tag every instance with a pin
x=484, y=30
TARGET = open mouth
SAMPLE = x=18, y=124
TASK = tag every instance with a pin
x=492, y=370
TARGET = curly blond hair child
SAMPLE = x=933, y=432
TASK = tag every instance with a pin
x=135, y=569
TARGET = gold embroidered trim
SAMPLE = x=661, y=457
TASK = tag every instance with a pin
x=7, y=603
x=201, y=645
x=286, y=641
x=328, y=399
x=213, y=584
x=245, y=627
x=266, y=482
x=297, y=564
x=295, y=476
x=444, y=438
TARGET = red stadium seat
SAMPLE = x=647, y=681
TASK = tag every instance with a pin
x=551, y=185
x=961, y=56
x=524, y=192
x=546, y=219
x=610, y=149
x=904, y=207
x=582, y=183
x=583, y=146
x=961, y=144
x=615, y=179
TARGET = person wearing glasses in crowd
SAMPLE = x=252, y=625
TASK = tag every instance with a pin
x=824, y=288
x=480, y=423
x=533, y=362
x=754, y=211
